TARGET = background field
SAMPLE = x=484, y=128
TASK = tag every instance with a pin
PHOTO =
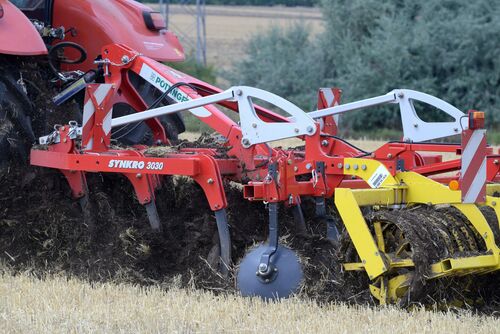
x=60, y=305
x=229, y=27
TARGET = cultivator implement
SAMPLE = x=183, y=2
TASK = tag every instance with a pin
x=410, y=218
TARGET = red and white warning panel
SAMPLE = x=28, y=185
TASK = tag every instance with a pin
x=329, y=97
x=473, y=171
x=98, y=109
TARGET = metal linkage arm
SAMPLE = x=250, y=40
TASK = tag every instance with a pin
x=254, y=129
x=414, y=128
x=353, y=106
x=173, y=108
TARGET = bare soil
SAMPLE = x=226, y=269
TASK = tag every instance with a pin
x=43, y=230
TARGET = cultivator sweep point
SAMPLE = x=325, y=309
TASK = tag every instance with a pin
x=411, y=220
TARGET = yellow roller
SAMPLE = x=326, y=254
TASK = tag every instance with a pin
x=392, y=273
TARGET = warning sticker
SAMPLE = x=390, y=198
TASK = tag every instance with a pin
x=377, y=178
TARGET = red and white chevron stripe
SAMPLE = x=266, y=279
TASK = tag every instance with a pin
x=329, y=97
x=94, y=99
x=473, y=173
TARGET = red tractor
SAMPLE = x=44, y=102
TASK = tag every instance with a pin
x=62, y=40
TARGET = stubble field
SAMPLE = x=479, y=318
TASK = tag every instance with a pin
x=61, y=305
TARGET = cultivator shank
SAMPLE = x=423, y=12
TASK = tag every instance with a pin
x=410, y=217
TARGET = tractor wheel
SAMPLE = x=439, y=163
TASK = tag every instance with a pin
x=139, y=132
x=16, y=134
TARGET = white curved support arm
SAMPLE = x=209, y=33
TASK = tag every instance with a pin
x=257, y=131
x=414, y=128
x=254, y=130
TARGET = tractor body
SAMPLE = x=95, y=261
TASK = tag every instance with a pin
x=64, y=39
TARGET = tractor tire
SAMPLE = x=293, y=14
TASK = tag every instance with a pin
x=16, y=133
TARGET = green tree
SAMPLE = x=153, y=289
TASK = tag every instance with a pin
x=280, y=61
x=447, y=48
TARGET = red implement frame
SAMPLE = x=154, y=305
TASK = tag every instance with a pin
x=314, y=171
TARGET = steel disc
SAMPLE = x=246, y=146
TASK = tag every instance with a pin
x=285, y=280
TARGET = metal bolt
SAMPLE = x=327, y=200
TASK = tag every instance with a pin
x=295, y=169
x=262, y=267
x=364, y=261
x=289, y=161
x=267, y=280
x=377, y=253
x=356, y=167
x=125, y=59
x=347, y=166
x=310, y=129
x=339, y=165
x=485, y=235
x=63, y=128
x=275, y=270
x=415, y=125
x=65, y=140
x=401, y=95
x=210, y=181
x=239, y=92
x=324, y=142
x=495, y=161
x=138, y=175
x=455, y=129
x=389, y=156
x=254, y=125
x=296, y=130
x=308, y=166
x=493, y=203
x=363, y=167
x=245, y=142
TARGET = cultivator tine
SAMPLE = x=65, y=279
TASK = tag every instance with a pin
x=154, y=219
x=224, y=241
x=84, y=201
x=265, y=265
x=320, y=207
x=300, y=222
x=332, y=232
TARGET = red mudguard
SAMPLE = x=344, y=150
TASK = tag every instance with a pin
x=17, y=35
x=96, y=23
